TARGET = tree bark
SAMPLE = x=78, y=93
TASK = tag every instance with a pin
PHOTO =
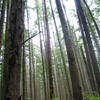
x=96, y=26
x=24, y=83
x=48, y=53
x=62, y=55
x=12, y=55
x=34, y=79
x=90, y=46
x=89, y=66
x=77, y=90
x=2, y=21
x=30, y=59
x=41, y=48
x=93, y=35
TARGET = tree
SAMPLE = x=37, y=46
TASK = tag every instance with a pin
x=77, y=91
x=96, y=26
x=89, y=42
x=12, y=56
x=30, y=59
x=41, y=48
x=2, y=17
x=61, y=50
x=48, y=53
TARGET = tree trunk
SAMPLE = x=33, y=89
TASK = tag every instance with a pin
x=30, y=59
x=90, y=46
x=7, y=24
x=96, y=26
x=48, y=54
x=24, y=83
x=12, y=56
x=62, y=55
x=41, y=48
x=34, y=82
x=89, y=66
x=2, y=20
x=93, y=35
x=77, y=90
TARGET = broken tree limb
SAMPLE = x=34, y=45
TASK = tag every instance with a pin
x=31, y=37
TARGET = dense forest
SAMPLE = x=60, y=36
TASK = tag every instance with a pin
x=49, y=49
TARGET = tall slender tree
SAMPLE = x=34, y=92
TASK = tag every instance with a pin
x=41, y=48
x=30, y=59
x=48, y=53
x=89, y=42
x=93, y=34
x=2, y=17
x=89, y=66
x=96, y=26
x=77, y=90
x=24, y=83
x=62, y=54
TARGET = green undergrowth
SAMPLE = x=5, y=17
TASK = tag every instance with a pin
x=51, y=99
x=94, y=96
x=54, y=99
x=27, y=98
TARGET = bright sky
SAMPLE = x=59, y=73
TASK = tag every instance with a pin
x=70, y=6
x=33, y=15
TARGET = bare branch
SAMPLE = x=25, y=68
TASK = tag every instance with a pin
x=31, y=37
